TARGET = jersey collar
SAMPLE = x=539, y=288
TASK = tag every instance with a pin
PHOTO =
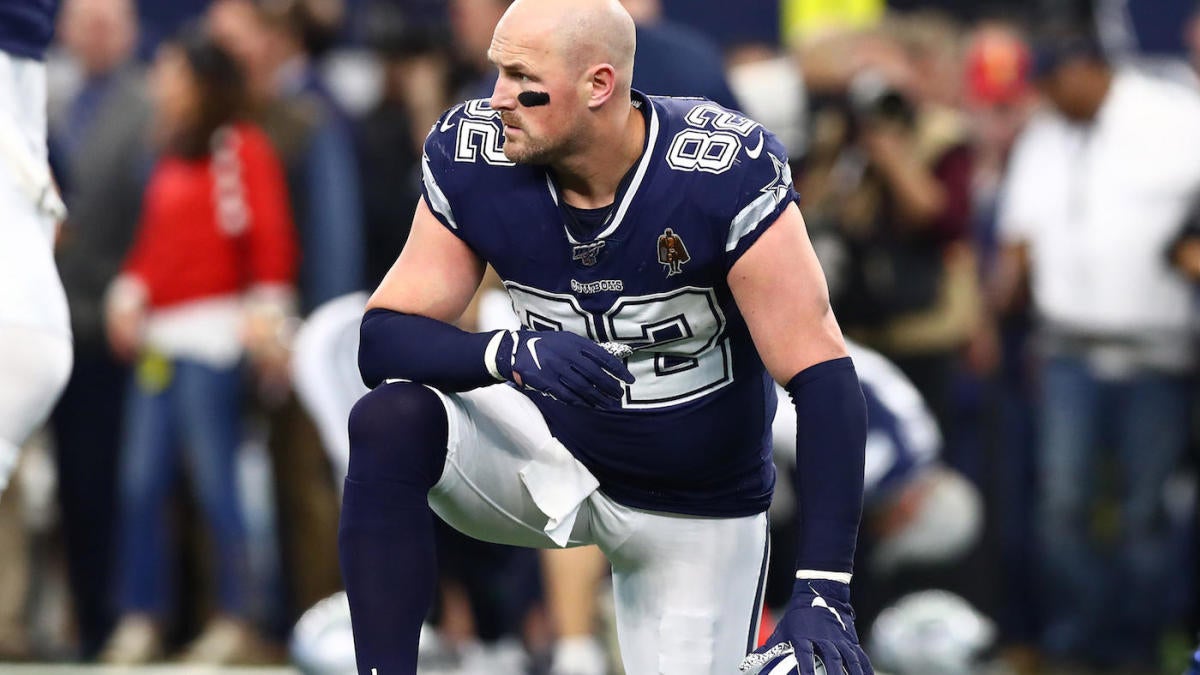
x=625, y=197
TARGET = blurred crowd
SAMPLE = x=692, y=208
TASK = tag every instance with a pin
x=1005, y=198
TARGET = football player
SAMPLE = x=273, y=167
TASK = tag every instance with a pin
x=35, y=333
x=633, y=409
x=917, y=510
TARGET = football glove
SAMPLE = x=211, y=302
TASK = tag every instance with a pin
x=564, y=366
x=817, y=627
x=782, y=661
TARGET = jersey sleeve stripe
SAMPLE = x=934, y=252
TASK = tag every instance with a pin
x=437, y=198
x=749, y=218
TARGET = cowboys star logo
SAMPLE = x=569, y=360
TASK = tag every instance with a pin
x=672, y=254
x=782, y=181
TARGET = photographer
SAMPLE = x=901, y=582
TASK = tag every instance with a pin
x=888, y=191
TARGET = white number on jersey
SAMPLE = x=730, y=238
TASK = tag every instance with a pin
x=712, y=115
x=478, y=135
x=697, y=150
x=541, y=310
x=680, y=350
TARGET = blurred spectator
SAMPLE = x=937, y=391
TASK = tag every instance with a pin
x=674, y=60
x=999, y=101
x=209, y=280
x=473, y=22
x=316, y=147
x=416, y=90
x=887, y=187
x=1098, y=186
x=104, y=156
x=308, y=29
x=309, y=134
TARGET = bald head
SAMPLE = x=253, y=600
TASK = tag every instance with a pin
x=583, y=33
x=565, y=70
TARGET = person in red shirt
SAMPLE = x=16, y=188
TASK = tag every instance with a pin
x=207, y=285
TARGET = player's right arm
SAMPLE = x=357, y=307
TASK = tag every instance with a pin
x=407, y=331
x=435, y=276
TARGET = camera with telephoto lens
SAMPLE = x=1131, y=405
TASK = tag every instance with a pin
x=875, y=100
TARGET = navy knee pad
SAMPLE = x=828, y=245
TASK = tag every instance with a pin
x=398, y=433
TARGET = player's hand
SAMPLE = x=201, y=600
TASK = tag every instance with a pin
x=565, y=366
x=819, y=621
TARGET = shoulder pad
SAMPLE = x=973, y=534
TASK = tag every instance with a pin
x=465, y=139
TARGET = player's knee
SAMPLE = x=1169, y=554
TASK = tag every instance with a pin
x=398, y=432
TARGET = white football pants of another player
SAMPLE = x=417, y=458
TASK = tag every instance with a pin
x=34, y=368
x=325, y=372
x=35, y=334
x=687, y=590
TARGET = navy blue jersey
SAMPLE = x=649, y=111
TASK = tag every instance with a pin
x=694, y=433
x=26, y=27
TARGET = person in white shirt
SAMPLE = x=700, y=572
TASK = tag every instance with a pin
x=1099, y=184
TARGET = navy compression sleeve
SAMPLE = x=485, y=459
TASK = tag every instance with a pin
x=393, y=345
x=831, y=436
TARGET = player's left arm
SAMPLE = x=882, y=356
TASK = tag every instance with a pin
x=781, y=291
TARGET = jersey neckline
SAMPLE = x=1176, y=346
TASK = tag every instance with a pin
x=624, y=198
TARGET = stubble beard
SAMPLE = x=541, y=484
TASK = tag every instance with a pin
x=535, y=151
x=538, y=151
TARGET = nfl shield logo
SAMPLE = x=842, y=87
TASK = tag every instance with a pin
x=587, y=253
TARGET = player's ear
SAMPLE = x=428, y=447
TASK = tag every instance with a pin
x=601, y=84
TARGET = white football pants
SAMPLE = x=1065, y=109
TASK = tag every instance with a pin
x=688, y=590
x=35, y=333
x=34, y=367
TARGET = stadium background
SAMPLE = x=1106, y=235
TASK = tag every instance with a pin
x=382, y=72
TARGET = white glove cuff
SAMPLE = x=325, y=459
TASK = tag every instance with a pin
x=843, y=577
x=489, y=355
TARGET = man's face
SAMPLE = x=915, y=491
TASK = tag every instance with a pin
x=1070, y=90
x=100, y=33
x=528, y=61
